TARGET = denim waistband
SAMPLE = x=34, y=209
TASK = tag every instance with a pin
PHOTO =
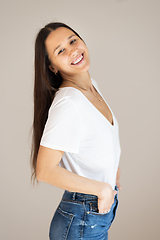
x=79, y=196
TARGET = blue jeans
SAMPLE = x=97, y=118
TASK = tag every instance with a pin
x=77, y=218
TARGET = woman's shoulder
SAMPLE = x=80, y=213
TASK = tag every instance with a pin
x=70, y=95
x=67, y=96
x=94, y=82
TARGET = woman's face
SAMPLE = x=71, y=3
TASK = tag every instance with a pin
x=67, y=53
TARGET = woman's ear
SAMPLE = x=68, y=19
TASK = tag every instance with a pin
x=53, y=69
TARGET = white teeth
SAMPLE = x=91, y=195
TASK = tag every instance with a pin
x=78, y=60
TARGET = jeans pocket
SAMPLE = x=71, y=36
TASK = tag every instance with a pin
x=60, y=224
x=92, y=208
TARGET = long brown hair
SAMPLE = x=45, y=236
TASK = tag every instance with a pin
x=45, y=86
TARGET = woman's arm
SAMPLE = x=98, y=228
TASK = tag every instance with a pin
x=117, y=178
x=49, y=171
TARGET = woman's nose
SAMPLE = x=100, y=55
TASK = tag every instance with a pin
x=73, y=52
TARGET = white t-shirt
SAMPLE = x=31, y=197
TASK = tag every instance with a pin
x=89, y=141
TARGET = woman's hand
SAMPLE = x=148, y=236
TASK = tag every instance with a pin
x=106, y=200
x=117, y=179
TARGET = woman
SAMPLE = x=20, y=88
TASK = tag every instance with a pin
x=75, y=137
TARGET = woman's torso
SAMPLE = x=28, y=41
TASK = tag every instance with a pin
x=99, y=150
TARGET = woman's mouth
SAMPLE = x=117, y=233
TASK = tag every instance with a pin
x=78, y=60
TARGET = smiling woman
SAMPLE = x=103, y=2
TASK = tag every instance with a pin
x=67, y=52
x=75, y=137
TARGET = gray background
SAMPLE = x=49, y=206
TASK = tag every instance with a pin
x=123, y=38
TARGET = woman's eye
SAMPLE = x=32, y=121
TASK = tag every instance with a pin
x=73, y=41
x=61, y=51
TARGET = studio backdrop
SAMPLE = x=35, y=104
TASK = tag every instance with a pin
x=123, y=38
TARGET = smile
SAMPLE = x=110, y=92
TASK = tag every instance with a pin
x=78, y=60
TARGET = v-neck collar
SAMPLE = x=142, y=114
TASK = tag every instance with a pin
x=113, y=120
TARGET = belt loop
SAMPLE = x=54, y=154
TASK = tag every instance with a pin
x=74, y=195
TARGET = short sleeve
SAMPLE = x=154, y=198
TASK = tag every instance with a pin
x=63, y=130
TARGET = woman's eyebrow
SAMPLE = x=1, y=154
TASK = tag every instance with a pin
x=67, y=39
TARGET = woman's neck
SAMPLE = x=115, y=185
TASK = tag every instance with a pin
x=82, y=80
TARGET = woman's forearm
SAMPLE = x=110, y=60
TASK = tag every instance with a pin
x=72, y=182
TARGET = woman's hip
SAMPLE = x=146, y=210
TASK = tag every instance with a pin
x=77, y=217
